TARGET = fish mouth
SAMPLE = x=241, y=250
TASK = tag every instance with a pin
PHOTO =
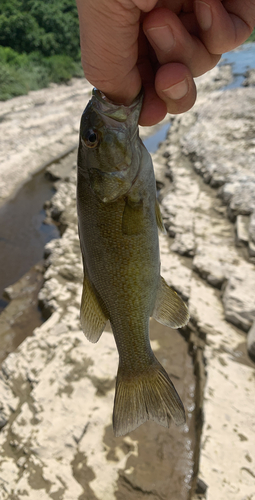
x=118, y=112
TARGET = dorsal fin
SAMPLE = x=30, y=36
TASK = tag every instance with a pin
x=159, y=219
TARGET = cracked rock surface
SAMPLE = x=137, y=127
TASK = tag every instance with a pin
x=36, y=128
x=210, y=151
x=57, y=389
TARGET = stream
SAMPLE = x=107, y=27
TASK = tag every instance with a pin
x=23, y=233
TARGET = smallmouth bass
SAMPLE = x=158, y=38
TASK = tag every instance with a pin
x=119, y=217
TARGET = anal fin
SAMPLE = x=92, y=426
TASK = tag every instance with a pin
x=169, y=309
x=93, y=320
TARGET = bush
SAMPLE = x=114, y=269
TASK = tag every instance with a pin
x=11, y=83
x=20, y=73
x=62, y=68
x=11, y=57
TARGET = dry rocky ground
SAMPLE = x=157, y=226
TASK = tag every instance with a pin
x=57, y=389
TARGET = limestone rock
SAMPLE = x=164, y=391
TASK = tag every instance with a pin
x=192, y=206
x=251, y=249
x=242, y=230
x=215, y=261
x=251, y=341
x=250, y=78
x=238, y=300
x=176, y=275
x=39, y=133
x=252, y=228
x=216, y=144
x=184, y=244
x=57, y=389
x=243, y=200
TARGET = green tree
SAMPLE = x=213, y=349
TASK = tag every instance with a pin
x=32, y=25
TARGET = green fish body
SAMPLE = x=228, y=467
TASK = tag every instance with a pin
x=119, y=217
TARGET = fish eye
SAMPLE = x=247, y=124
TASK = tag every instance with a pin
x=91, y=138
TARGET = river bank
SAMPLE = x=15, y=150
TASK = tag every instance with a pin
x=58, y=389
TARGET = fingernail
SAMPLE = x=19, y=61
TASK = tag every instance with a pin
x=163, y=37
x=178, y=90
x=204, y=15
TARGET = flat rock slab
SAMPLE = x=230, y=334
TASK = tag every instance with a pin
x=36, y=128
x=218, y=278
x=57, y=403
x=57, y=389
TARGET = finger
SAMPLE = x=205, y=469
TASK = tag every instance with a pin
x=109, y=48
x=224, y=25
x=172, y=42
x=153, y=109
x=171, y=90
x=171, y=81
x=175, y=86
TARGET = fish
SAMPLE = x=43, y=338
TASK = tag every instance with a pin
x=118, y=222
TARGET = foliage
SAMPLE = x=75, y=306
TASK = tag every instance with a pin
x=61, y=68
x=32, y=25
x=39, y=43
x=20, y=73
x=252, y=37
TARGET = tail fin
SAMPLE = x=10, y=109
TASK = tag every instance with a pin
x=149, y=395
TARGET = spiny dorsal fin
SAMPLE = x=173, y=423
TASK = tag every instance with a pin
x=169, y=309
x=159, y=219
x=93, y=320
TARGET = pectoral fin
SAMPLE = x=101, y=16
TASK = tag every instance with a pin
x=133, y=218
x=159, y=219
x=93, y=320
x=170, y=309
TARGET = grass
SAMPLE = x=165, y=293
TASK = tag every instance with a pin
x=20, y=73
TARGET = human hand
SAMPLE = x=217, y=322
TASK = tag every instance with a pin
x=161, y=45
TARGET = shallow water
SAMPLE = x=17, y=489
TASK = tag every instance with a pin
x=241, y=60
x=23, y=234
x=152, y=142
